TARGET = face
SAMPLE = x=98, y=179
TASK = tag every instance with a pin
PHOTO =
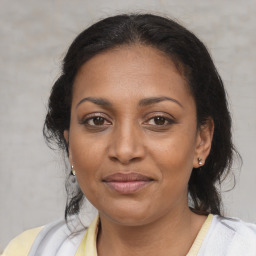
x=133, y=137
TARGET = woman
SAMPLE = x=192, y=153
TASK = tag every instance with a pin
x=142, y=114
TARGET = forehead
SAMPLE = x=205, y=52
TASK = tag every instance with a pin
x=132, y=72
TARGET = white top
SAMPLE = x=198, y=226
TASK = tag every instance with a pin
x=218, y=236
x=229, y=237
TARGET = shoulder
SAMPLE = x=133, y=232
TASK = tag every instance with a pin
x=230, y=237
x=47, y=240
x=241, y=229
x=21, y=244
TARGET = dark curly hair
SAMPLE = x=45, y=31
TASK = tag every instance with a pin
x=192, y=59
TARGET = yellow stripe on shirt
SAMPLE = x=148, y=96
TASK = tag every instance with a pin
x=21, y=245
x=200, y=237
x=88, y=244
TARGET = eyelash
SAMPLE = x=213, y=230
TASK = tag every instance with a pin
x=91, y=118
x=168, y=120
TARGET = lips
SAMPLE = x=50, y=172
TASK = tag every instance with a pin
x=127, y=183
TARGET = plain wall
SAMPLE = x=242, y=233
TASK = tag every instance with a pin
x=34, y=38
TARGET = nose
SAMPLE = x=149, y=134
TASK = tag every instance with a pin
x=126, y=145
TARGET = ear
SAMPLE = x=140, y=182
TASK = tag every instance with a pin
x=203, y=143
x=66, y=136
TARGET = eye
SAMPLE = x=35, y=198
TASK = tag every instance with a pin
x=159, y=121
x=96, y=121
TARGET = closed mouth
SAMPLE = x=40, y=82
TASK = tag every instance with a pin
x=127, y=183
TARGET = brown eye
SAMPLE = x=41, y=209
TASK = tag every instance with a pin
x=95, y=121
x=159, y=120
x=98, y=120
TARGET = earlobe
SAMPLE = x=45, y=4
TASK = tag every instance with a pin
x=204, y=143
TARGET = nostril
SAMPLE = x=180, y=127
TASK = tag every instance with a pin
x=126, y=147
x=124, y=161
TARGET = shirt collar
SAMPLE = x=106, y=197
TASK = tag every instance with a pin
x=88, y=244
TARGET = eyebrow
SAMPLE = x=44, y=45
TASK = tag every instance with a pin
x=97, y=101
x=142, y=103
x=153, y=100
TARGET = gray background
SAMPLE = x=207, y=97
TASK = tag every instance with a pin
x=34, y=37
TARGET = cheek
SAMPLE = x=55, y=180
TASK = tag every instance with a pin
x=176, y=150
x=87, y=157
x=86, y=150
x=174, y=158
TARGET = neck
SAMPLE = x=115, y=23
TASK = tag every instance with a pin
x=172, y=234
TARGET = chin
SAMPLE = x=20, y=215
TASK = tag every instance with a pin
x=128, y=215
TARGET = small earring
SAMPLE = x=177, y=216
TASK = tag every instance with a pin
x=199, y=161
x=73, y=172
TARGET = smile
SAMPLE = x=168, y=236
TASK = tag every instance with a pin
x=127, y=183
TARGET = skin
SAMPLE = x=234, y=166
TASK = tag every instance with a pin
x=127, y=138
